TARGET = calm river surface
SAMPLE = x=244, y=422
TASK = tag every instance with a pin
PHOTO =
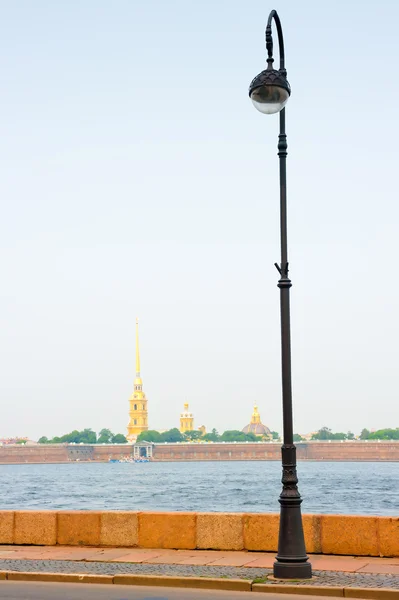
x=336, y=487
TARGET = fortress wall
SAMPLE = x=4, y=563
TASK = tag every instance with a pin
x=59, y=453
x=334, y=451
x=345, y=451
x=217, y=452
x=384, y=451
x=18, y=454
x=324, y=534
x=113, y=452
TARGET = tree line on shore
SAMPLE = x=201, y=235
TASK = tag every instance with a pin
x=381, y=434
x=86, y=436
x=327, y=434
x=174, y=435
x=105, y=436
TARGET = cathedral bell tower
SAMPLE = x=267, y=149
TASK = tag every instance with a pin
x=138, y=411
x=186, y=420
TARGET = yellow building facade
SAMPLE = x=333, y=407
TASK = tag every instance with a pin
x=138, y=410
x=186, y=420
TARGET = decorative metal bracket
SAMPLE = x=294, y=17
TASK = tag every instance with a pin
x=283, y=269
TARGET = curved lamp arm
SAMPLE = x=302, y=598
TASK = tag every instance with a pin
x=270, y=90
x=269, y=40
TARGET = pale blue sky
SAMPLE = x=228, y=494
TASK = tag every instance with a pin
x=138, y=179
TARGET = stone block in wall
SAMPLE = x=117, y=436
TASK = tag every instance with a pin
x=6, y=527
x=261, y=531
x=388, y=531
x=351, y=535
x=119, y=529
x=167, y=530
x=36, y=528
x=312, y=533
x=78, y=528
x=220, y=531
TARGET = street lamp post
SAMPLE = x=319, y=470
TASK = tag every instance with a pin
x=269, y=92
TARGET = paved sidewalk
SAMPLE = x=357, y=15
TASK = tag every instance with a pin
x=335, y=571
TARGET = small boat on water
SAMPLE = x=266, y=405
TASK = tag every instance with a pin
x=129, y=460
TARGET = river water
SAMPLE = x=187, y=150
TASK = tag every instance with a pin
x=326, y=487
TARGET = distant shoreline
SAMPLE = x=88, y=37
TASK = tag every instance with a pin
x=348, y=451
x=201, y=460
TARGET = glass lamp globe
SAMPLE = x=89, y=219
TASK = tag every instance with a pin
x=269, y=99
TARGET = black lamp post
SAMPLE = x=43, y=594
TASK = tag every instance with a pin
x=269, y=92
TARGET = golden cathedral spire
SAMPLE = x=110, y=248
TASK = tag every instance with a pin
x=137, y=350
x=138, y=411
x=255, y=416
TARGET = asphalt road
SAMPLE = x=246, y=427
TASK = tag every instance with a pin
x=15, y=590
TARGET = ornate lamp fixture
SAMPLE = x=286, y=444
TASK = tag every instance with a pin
x=269, y=92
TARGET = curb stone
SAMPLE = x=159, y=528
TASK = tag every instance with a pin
x=204, y=583
x=305, y=590
x=239, y=585
x=371, y=593
x=58, y=577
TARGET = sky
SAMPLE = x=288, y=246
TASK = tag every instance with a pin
x=137, y=180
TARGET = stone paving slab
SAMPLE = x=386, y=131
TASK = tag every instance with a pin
x=321, y=578
x=319, y=562
x=391, y=569
x=330, y=563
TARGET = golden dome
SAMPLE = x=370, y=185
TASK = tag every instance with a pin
x=256, y=426
x=257, y=429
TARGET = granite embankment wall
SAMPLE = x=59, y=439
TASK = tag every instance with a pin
x=349, y=451
x=60, y=453
x=328, y=451
x=324, y=534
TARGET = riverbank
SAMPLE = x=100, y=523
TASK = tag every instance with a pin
x=324, y=534
x=348, y=451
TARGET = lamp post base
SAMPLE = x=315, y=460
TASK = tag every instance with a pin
x=291, y=560
x=292, y=570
